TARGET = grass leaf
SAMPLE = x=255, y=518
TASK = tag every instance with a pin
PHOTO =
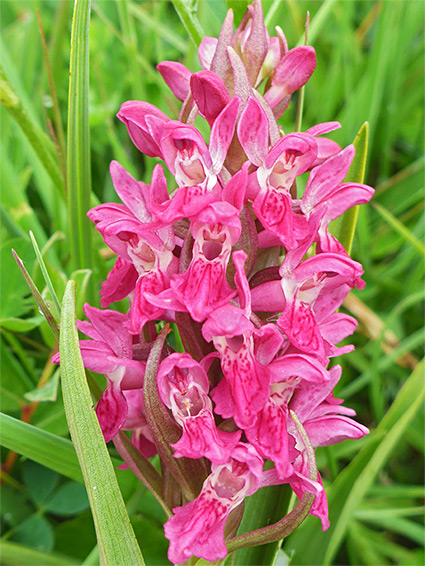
x=47, y=449
x=343, y=228
x=78, y=143
x=116, y=539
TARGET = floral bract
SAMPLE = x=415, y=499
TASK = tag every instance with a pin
x=248, y=270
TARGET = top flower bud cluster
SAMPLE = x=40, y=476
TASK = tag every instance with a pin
x=258, y=329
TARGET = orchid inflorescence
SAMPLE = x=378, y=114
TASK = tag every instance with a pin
x=249, y=273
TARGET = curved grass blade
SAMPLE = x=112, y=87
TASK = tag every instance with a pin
x=399, y=227
x=78, y=142
x=19, y=555
x=47, y=449
x=187, y=13
x=45, y=273
x=55, y=105
x=41, y=143
x=115, y=535
x=343, y=228
x=50, y=319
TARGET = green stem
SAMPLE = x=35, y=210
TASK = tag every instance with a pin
x=41, y=143
x=190, y=20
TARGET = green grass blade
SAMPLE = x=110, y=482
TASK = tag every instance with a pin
x=78, y=143
x=344, y=227
x=16, y=554
x=400, y=228
x=318, y=21
x=50, y=319
x=116, y=539
x=41, y=143
x=55, y=105
x=164, y=31
x=47, y=449
x=187, y=13
x=45, y=273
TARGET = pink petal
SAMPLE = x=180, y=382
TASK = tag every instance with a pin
x=111, y=411
x=253, y=132
x=177, y=77
x=210, y=94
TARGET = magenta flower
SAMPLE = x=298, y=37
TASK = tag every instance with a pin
x=197, y=528
x=245, y=266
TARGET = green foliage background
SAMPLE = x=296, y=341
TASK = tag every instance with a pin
x=370, y=68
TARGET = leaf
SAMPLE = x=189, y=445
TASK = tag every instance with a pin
x=47, y=392
x=343, y=228
x=39, y=481
x=14, y=507
x=45, y=274
x=78, y=143
x=20, y=325
x=110, y=517
x=35, y=532
x=69, y=499
x=47, y=449
x=17, y=555
x=14, y=288
x=50, y=319
x=79, y=529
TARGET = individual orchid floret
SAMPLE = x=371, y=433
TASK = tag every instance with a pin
x=325, y=422
x=177, y=77
x=308, y=290
x=293, y=71
x=209, y=93
x=291, y=156
x=269, y=434
x=110, y=352
x=245, y=389
x=197, y=528
x=326, y=192
x=134, y=114
x=183, y=386
x=203, y=286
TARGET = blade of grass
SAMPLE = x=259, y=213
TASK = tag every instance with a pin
x=37, y=296
x=41, y=143
x=318, y=21
x=61, y=149
x=404, y=232
x=115, y=535
x=78, y=143
x=187, y=13
x=344, y=227
x=47, y=449
x=166, y=33
x=19, y=555
x=45, y=273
